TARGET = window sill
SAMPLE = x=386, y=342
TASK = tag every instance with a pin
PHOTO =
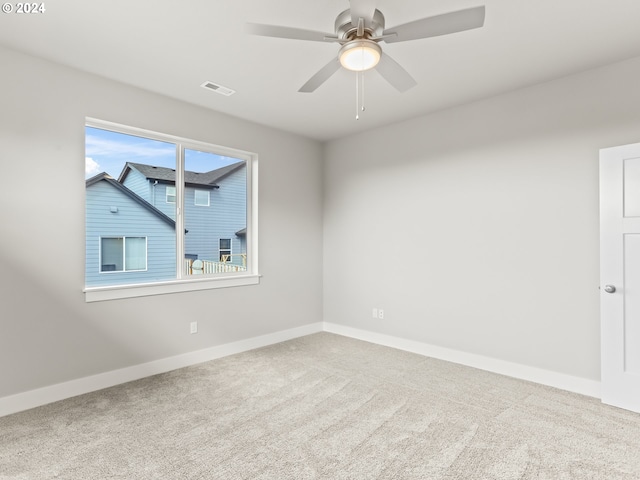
x=99, y=294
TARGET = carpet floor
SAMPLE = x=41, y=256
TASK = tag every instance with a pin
x=323, y=407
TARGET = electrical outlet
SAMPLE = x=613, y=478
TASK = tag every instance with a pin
x=380, y=314
x=194, y=327
x=374, y=313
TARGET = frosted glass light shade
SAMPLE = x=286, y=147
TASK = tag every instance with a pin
x=360, y=55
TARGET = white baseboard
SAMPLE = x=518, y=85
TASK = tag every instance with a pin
x=42, y=396
x=562, y=381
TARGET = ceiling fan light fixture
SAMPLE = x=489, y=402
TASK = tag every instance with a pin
x=360, y=55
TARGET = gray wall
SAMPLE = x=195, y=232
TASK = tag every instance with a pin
x=476, y=228
x=48, y=334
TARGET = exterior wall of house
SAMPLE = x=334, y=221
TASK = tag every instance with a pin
x=158, y=198
x=138, y=183
x=206, y=225
x=130, y=220
x=225, y=215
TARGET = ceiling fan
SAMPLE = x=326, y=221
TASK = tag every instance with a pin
x=360, y=29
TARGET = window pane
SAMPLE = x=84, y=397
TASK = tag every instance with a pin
x=132, y=201
x=171, y=194
x=225, y=250
x=135, y=253
x=201, y=198
x=112, y=255
x=215, y=235
x=127, y=178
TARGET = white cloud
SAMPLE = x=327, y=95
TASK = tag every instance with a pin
x=91, y=167
x=127, y=147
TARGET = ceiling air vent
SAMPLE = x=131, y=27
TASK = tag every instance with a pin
x=218, y=88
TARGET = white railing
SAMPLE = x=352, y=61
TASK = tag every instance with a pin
x=208, y=267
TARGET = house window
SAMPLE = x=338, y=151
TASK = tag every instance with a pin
x=144, y=224
x=225, y=250
x=201, y=198
x=123, y=254
x=171, y=194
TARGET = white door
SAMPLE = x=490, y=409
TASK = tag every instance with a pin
x=620, y=275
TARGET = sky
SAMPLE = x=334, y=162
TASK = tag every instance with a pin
x=107, y=151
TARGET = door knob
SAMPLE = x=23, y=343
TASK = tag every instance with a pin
x=609, y=288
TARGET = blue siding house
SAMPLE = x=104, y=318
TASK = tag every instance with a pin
x=130, y=224
x=128, y=240
x=214, y=203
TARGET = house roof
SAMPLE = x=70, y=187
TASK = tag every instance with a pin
x=168, y=175
x=112, y=181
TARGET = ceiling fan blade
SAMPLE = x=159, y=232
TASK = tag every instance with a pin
x=438, y=25
x=393, y=73
x=321, y=76
x=289, y=32
x=362, y=9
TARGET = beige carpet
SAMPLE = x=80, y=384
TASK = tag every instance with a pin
x=323, y=407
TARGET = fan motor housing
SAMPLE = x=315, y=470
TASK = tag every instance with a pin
x=345, y=30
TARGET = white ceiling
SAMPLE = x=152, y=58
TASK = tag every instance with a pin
x=172, y=47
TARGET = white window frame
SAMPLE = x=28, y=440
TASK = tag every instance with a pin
x=230, y=249
x=185, y=283
x=167, y=195
x=195, y=197
x=124, y=255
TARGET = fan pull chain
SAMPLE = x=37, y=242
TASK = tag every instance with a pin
x=362, y=89
x=359, y=94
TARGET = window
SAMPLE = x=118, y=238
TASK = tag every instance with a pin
x=123, y=254
x=201, y=198
x=225, y=250
x=171, y=194
x=144, y=223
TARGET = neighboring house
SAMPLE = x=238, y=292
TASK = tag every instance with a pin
x=122, y=232
x=214, y=203
x=130, y=223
